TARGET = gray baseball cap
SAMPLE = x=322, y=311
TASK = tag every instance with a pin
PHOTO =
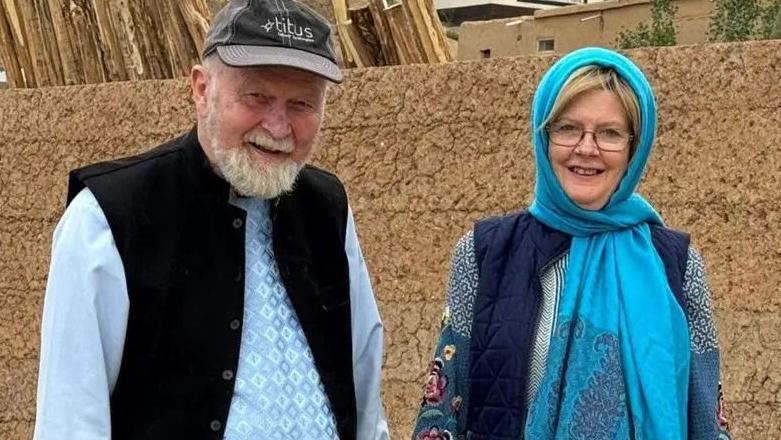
x=273, y=33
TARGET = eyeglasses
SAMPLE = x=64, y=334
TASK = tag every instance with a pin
x=566, y=134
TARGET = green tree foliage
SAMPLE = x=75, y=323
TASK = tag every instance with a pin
x=772, y=21
x=741, y=20
x=776, y=32
x=660, y=31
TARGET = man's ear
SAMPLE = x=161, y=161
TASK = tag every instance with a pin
x=199, y=80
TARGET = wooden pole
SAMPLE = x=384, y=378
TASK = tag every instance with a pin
x=70, y=63
x=150, y=23
x=406, y=44
x=436, y=31
x=383, y=31
x=363, y=55
x=429, y=30
x=131, y=54
x=420, y=29
x=350, y=54
x=365, y=29
x=108, y=41
x=52, y=64
x=167, y=21
x=11, y=49
x=31, y=28
x=196, y=15
x=92, y=60
x=23, y=44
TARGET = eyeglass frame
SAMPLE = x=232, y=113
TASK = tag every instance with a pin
x=630, y=138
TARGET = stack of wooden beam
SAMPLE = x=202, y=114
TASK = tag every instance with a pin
x=66, y=42
x=389, y=32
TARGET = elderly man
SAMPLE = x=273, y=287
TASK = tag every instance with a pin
x=213, y=287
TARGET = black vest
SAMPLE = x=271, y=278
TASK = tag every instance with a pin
x=512, y=252
x=182, y=246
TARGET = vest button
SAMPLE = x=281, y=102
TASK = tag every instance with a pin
x=227, y=374
x=237, y=223
x=238, y=277
x=215, y=425
x=235, y=324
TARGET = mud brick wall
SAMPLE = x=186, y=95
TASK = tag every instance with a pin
x=425, y=151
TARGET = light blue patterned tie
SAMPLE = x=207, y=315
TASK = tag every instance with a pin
x=278, y=392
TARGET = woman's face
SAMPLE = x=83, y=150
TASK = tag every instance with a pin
x=588, y=175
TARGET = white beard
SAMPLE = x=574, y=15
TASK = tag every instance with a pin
x=249, y=176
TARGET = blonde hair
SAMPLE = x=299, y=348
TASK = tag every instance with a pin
x=591, y=78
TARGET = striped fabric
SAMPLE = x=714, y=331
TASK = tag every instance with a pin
x=552, y=280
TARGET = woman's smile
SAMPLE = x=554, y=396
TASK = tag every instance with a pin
x=588, y=175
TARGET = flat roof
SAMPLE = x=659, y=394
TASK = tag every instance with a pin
x=546, y=4
x=589, y=7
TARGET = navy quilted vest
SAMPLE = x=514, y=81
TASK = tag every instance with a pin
x=512, y=252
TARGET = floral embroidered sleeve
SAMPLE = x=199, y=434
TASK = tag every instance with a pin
x=442, y=413
x=706, y=403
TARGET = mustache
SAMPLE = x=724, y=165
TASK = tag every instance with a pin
x=261, y=139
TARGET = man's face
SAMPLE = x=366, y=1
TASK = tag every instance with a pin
x=260, y=125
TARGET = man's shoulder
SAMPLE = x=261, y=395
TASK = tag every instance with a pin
x=318, y=175
x=319, y=196
x=319, y=181
x=169, y=149
x=125, y=172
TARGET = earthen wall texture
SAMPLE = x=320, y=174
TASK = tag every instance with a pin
x=425, y=151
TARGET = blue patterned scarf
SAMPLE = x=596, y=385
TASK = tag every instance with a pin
x=618, y=363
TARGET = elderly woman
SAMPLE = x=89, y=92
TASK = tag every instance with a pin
x=585, y=317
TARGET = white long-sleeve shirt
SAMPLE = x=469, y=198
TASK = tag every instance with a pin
x=85, y=320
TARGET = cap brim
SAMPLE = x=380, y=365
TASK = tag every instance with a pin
x=247, y=56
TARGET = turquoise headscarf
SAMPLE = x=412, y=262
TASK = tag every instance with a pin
x=618, y=362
